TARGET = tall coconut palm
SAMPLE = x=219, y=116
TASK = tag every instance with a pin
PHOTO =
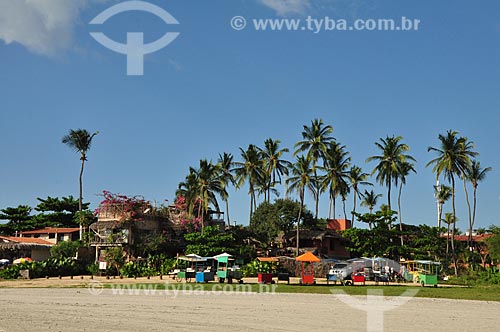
x=189, y=190
x=357, y=178
x=404, y=171
x=454, y=156
x=275, y=167
x=315, y=139
x=210, y=185
x=370, y=200
x=475, y=174
x=442, y=194
x=80, y=141
x=301, y=178
x=250, y=169
x=205, y=184
x=336, y=173
x=393, y=155
x=225, y=164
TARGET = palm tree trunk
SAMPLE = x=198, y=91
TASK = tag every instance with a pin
x=330, y=207
x=251, y=206
x=399, y=214
x=227, y=213
x=316, y=184
x=453, y=253
x=80, y=197
x=440, y=214
x=389, y=194
x=297, y=239
x=474, y=207
x=343, y=206
x=370, y=224
x=334, y=206
x=354, y=209
x=469, y=238
x=448, y=248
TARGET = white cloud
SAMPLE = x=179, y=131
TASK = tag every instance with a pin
x=43, y=26
x=286, y=7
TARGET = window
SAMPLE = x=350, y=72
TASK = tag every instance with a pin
x=52, y=236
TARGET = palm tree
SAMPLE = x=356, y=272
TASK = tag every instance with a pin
x=370, y=200
x=357, y=178
x=442, y=194
x=389, y=164
x=404, y=171
x=300, y=179
x=449, y=220
x=475, y=174
x=454, y=155
x=189, y=190
x=80, y=141
x=225, y=163
x=315, y=142
x=251, y=170
x=275, y=167
x=336, y=168
x=202, y=185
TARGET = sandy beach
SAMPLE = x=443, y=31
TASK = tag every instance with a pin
x=106, y=310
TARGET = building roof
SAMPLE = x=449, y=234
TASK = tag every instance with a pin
x=475, y=238
x=51, y=230
x=314, y=234
x=20, y=243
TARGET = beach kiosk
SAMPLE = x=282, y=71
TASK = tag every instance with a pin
x=307, y=260
x=195, y=263
x=265, y=273
x=422, y=272
x=427, y=273
x=226, y=269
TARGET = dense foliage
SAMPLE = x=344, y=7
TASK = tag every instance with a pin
x=281, y=216
x=210, y=242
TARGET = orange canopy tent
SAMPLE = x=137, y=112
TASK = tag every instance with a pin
x=308, y=257
x=308, y=270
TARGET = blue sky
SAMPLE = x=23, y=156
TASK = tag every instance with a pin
x=215, y=89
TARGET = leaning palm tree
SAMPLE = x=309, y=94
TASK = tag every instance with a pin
x=275, y=167
x=315, y=141
x=442, y=194
x=225, y=163
x=475, y=174
x=454, y=156
x=357, y=178
x=393, y=155
x=404, y=171
x=300, y=179
x=336, y=173
x=80, y=141
x=250, y=169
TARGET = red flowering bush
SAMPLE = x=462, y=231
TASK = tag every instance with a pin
x=122, y=207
